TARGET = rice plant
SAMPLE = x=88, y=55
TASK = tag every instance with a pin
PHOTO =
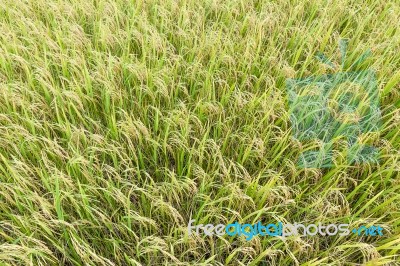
x=122, y=120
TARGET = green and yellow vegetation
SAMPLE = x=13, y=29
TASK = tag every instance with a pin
x=121, y=120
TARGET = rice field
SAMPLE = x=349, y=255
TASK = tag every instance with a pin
x=122, y=120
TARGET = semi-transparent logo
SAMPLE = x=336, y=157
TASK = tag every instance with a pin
x=340, y=105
